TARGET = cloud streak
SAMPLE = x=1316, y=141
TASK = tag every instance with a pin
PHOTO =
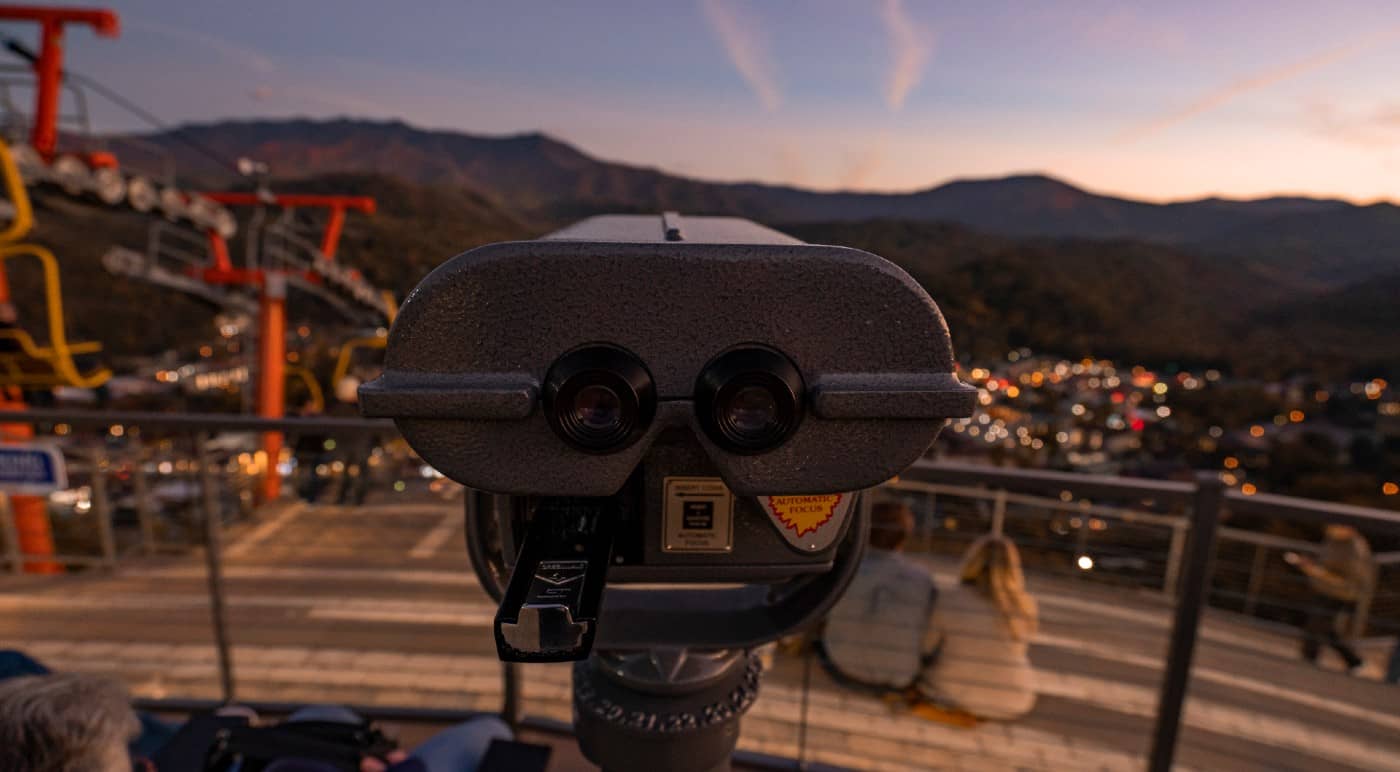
x=1377, y=128
x=1261, y=80
x=254, y=60
x=283, y=90
x=747, y=50
x=911, y=45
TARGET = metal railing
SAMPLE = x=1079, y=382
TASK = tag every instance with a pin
x=1192, y=512
x=1166, y=532
x=1014, y=495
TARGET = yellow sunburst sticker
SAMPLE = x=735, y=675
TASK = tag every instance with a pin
x=804, y=514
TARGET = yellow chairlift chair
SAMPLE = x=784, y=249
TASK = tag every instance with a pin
x=27, y=363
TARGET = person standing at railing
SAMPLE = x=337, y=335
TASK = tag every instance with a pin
x=1339, y=576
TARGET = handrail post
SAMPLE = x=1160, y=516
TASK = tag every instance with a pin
x=141, y=490
x=1200, y=549
x=213, y=557
x=1256, y=578
x=999, y=512
x=1172, y=575
x=102, y=510
x=1081, y=542
x=929, y=524
x=11, y=535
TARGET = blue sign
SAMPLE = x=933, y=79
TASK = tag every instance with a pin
x=31, y=469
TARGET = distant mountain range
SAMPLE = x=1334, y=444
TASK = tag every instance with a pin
x=538, y=178
x=1262, y=287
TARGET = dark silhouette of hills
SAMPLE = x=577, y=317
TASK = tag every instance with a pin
x=1143, y=302
x=1260, y=286
x=542, y=179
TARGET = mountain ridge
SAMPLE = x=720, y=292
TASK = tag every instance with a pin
x=538, y=178
x=526, y=137
x=1264, y=286
x=1143, y=303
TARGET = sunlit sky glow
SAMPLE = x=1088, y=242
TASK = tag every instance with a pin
x=1154, y=100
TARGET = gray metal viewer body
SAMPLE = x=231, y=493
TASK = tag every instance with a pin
x=705, y=327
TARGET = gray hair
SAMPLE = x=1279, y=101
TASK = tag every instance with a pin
x=65, y=722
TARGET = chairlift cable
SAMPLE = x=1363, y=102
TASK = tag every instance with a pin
x=19, y=49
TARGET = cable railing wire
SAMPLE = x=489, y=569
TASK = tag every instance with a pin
x=1139, y=528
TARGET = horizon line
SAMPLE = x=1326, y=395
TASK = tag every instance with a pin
x=835, y=190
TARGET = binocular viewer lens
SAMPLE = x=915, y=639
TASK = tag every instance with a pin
x=597, y=408
x=749, y=400
x=752, y=410
x=600, y=399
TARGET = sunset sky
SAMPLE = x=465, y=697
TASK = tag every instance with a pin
x=1154, y=100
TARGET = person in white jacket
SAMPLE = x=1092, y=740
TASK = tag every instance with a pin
x=877, y=634
x=983, y=626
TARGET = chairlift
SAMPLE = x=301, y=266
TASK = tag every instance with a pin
x=286, y=245
x=345, y=360
x=142, y=195
x=316, y=396
x=175, y=258
x=28, y=363
x=86, y=171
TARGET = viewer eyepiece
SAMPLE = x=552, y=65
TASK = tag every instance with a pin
x=599, y=398
x=749, y=400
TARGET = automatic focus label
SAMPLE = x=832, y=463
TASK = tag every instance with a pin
x=699, y=515
x=808, y=522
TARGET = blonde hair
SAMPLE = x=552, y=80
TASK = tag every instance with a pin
x=993, y=566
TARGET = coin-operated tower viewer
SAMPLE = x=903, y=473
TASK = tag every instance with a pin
x=667, y=424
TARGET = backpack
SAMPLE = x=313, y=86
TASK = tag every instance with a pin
x=331, y=746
